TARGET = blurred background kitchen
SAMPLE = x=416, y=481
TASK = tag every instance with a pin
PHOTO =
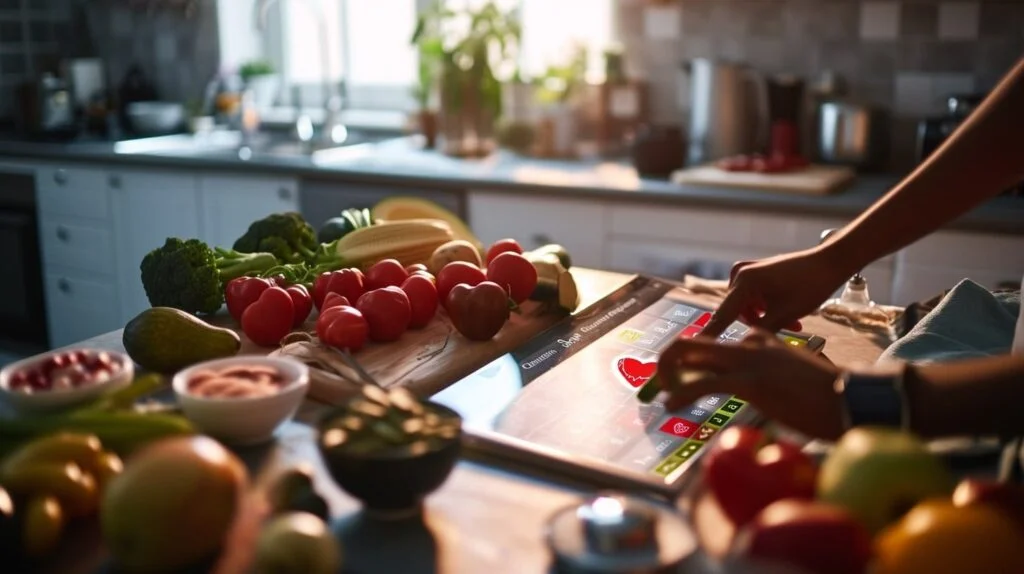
x=675, y=98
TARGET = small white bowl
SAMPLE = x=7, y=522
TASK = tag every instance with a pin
x=62, y=398
x=245, y=420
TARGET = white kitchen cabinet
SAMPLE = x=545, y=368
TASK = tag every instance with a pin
x=230, y=203
x=79, y=307
x=148, y=207
x=579, y=225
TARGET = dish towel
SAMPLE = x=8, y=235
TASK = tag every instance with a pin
x=969, y=322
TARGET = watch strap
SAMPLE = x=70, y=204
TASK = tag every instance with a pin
x=873, y=399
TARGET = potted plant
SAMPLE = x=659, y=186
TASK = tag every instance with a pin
x=424, y=92
x=467, y=50
x=262, y=79
x=555, y=93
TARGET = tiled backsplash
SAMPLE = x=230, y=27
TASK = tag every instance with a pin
x=180, y=55
x=904, y=55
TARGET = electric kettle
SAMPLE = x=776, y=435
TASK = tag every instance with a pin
x=726, y=109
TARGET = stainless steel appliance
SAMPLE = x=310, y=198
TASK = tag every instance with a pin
x=725, y=109
x=850, y=133
x=22, y=306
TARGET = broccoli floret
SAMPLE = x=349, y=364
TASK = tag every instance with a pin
x=287, y=235
x=188, y=275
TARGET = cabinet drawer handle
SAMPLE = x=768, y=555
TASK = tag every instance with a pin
x=284, y=193
x=64, y=286
x=115, y=181
x=63, y=234
x=60, y=177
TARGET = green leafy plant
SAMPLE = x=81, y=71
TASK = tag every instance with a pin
x=560, y=82
x=255, y=69
x=460, y=51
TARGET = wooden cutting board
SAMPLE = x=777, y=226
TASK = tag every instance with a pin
x=813, y=180
x=424, y=360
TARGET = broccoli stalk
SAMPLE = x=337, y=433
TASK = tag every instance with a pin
x=324, y=258
x=188, y=275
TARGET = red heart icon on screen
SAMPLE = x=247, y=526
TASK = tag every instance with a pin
x=634, y=371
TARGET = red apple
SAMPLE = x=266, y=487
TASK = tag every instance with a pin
x=815, y=537
x=746, y=472
x=1008, y=498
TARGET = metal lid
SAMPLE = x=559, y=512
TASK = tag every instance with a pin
x=615, y=533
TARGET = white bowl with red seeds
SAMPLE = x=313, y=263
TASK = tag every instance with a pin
x=64, y=378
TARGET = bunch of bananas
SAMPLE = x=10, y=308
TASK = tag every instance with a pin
x=51, y=480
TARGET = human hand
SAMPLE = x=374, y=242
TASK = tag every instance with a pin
x=775, y=293
x=792, y=386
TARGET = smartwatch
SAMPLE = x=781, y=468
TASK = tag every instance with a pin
x=873, y=398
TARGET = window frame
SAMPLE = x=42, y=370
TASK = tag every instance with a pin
x=371, y=97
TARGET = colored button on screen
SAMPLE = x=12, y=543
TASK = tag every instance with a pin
x=676, y=426
x=732, y=406
x=718, y=419
x=703, y=320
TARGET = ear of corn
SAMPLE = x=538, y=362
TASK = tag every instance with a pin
x=409, y=241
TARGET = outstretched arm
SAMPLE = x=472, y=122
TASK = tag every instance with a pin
x=982, y=158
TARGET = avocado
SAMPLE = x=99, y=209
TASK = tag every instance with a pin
x=164, y=340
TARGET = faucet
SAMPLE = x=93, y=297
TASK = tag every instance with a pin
x=333, y=131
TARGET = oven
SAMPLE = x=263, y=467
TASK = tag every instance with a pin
x=22, y=303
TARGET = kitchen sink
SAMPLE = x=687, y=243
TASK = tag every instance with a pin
x=232, y=145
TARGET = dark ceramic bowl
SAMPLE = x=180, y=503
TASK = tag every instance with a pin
x=391, y=483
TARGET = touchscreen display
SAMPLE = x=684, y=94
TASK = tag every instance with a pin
x=572, y=390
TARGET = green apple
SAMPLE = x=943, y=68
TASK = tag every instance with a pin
x=297, y=543
x=879, y=474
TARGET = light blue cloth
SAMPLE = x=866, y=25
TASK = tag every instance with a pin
x=969, y=322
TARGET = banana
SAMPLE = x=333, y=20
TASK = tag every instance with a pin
x=82, y=449
x=43, y=525
x=409, y=241
x=76, y=490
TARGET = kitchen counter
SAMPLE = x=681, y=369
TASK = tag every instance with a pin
x=400, y=163
x=487, y=517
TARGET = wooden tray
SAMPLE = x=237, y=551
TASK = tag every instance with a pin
x=814, y=180
x=424, y=361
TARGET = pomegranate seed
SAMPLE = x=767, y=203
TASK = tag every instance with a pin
x=19, y=377
x=81, y=356
x=15, y=385
x=62, y=382
x=71, y=358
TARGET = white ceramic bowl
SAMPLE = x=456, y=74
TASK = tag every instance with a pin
x=156, y=117
x=246, y=420
x=61, y=398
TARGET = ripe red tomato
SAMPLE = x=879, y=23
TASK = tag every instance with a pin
x=388, y=312
x=345, y=282
x=334, y=300
x=422, y=299
x=385, y=273
x=301, y=302
x=514, y=273
x=342, y=327
x=501, y=246
x=241, y=292
x=270, y=318
x=457, y=272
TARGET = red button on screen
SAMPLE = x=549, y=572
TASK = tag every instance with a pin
x=690, y=332
x=679, y=427
x=702, y=321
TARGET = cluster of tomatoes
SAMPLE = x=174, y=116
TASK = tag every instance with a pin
x=387, y=300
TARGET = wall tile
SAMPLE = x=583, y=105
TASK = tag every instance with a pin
x=12, y=64
x=1001, y=18
x=11, y=33
x=949, y=56
x=876, y=62
x=913, y=94
x=994, y=58
x=959, y=20
x=731, y=19
x=879, y=20
x=166, y=48
x=696, y=17
x=919, y=20
x=835, y=20
x=767, y=19
x=662, y=22
x=10, y=4
x=944, y=85
x=696, y=47
x=766, y=54
x=629, y=20
x=664, y=106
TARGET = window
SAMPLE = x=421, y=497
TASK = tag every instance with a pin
x=368, y=43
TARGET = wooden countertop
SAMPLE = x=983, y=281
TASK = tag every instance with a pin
x=485, y=518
